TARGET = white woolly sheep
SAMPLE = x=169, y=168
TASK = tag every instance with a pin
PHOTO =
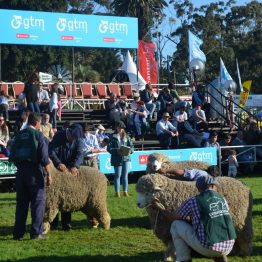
x=156, y=161
x=86, y=192
x=172, y=193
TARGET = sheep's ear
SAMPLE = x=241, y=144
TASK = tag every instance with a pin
x=157, y=188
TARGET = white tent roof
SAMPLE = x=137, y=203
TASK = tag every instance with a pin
x=138, y=82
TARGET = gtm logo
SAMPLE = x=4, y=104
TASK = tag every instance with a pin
x=71, y=25
x=115, y=27
x=26, y=23
x=201, y=156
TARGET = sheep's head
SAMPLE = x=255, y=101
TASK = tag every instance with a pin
x=148, y=187
x=155, y=162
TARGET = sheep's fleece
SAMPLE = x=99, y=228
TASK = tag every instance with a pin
x=157, y=160
x=172, y=193
x=86, y=192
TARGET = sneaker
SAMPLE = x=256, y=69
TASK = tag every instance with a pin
x=117, y=194
x=126, y=194
x=67, y=227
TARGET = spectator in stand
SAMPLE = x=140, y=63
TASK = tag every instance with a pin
x=66, y=125
x=133, y=106
x=90, y=147
x=4, y=105
x=246, y=157
x=43, y=98
x=115, y=109
x=31, y=93
x=139, y=119
x=4, y=135
x=253, y=137
x=232, y=163
x=190, y=135
x=166, y=100
x=174, y=95
x=100, y=134
x=61, y=91
x=46, y=127
x=167, y=134
x=120, y=159
x=199, y=98
x=200, y=118
x=53, y=105
x=65, y=151
x=21, y=102
x=212, y=142
x=180, y=117
x=21, y=122
x=148, y=97
x=230, y=108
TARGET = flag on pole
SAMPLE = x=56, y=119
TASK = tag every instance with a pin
x=224, y=75
x=239, y=77
x=245, y=93
x=194, y=44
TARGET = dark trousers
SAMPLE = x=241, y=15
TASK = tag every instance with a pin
x=166, y=140
x=29, y=191
x=33, y=107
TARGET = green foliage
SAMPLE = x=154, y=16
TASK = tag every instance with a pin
x=128, y=239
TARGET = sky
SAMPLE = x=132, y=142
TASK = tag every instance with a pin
x=167, y=27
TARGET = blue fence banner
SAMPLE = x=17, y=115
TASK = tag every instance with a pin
x=62, y=29
x=139, y=158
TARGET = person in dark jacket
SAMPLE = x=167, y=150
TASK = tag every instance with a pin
x=65, y=150
x=120, y=147
x=31, y=94
x=30, y=155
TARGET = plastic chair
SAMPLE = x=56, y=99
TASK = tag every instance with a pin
x=18, y=88
x=115, y=88
x=101, y=90
x=127, y=88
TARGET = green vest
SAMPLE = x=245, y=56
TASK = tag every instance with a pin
x=25, y=146
x=215, y=217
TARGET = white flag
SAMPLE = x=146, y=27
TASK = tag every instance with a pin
x=194, y=44
x=224, y=75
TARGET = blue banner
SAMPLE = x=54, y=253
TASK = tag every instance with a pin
x=61, y=29
x=224, y=75
x=194, y=44
x=139, y=158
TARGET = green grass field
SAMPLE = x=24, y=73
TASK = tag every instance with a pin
x=129, y=238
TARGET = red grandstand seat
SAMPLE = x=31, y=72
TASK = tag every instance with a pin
x=4, y=87
x=127, y=87
x=101, y=90
x=87, y=90
x=115, y=88
x=18, y=88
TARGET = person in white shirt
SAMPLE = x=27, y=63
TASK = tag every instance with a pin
x=43, y=98
x=90, y=147
x=232, y=163
x=167, y=134
x=180, y=117
x=200, y=118
x=53, y=105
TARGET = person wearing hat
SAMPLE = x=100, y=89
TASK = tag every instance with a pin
x=100, y=134
x=167, y=134
x=65, y=151
x=211, y=233
x=120, y=147
x=90, y=148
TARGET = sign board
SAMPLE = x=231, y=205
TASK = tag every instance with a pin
x=62, y=29
x=252, y=100
x=6, y=167
x=139, y=158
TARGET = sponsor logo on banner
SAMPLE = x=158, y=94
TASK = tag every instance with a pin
x=147, y=62
x=201, y=156
x=105, y=26
x=71, y=25
x=27, y=22
x=143, y=159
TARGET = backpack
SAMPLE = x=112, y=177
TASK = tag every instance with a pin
x=25, y=146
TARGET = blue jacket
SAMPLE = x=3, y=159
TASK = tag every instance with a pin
x=62, y=151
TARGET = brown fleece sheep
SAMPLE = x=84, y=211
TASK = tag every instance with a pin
x=86, y=192
x=172, y=193
x=156, y=161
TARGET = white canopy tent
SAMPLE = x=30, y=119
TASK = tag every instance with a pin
x=138, y=82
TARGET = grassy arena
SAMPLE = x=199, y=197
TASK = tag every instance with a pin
x=128, y=239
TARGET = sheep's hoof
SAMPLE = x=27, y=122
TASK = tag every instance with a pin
x=168, y=258
x=46, y=227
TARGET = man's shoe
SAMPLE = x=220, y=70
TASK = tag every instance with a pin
x=220, y=259
x=39, y=237
x=67, y=227
x=17, y=238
